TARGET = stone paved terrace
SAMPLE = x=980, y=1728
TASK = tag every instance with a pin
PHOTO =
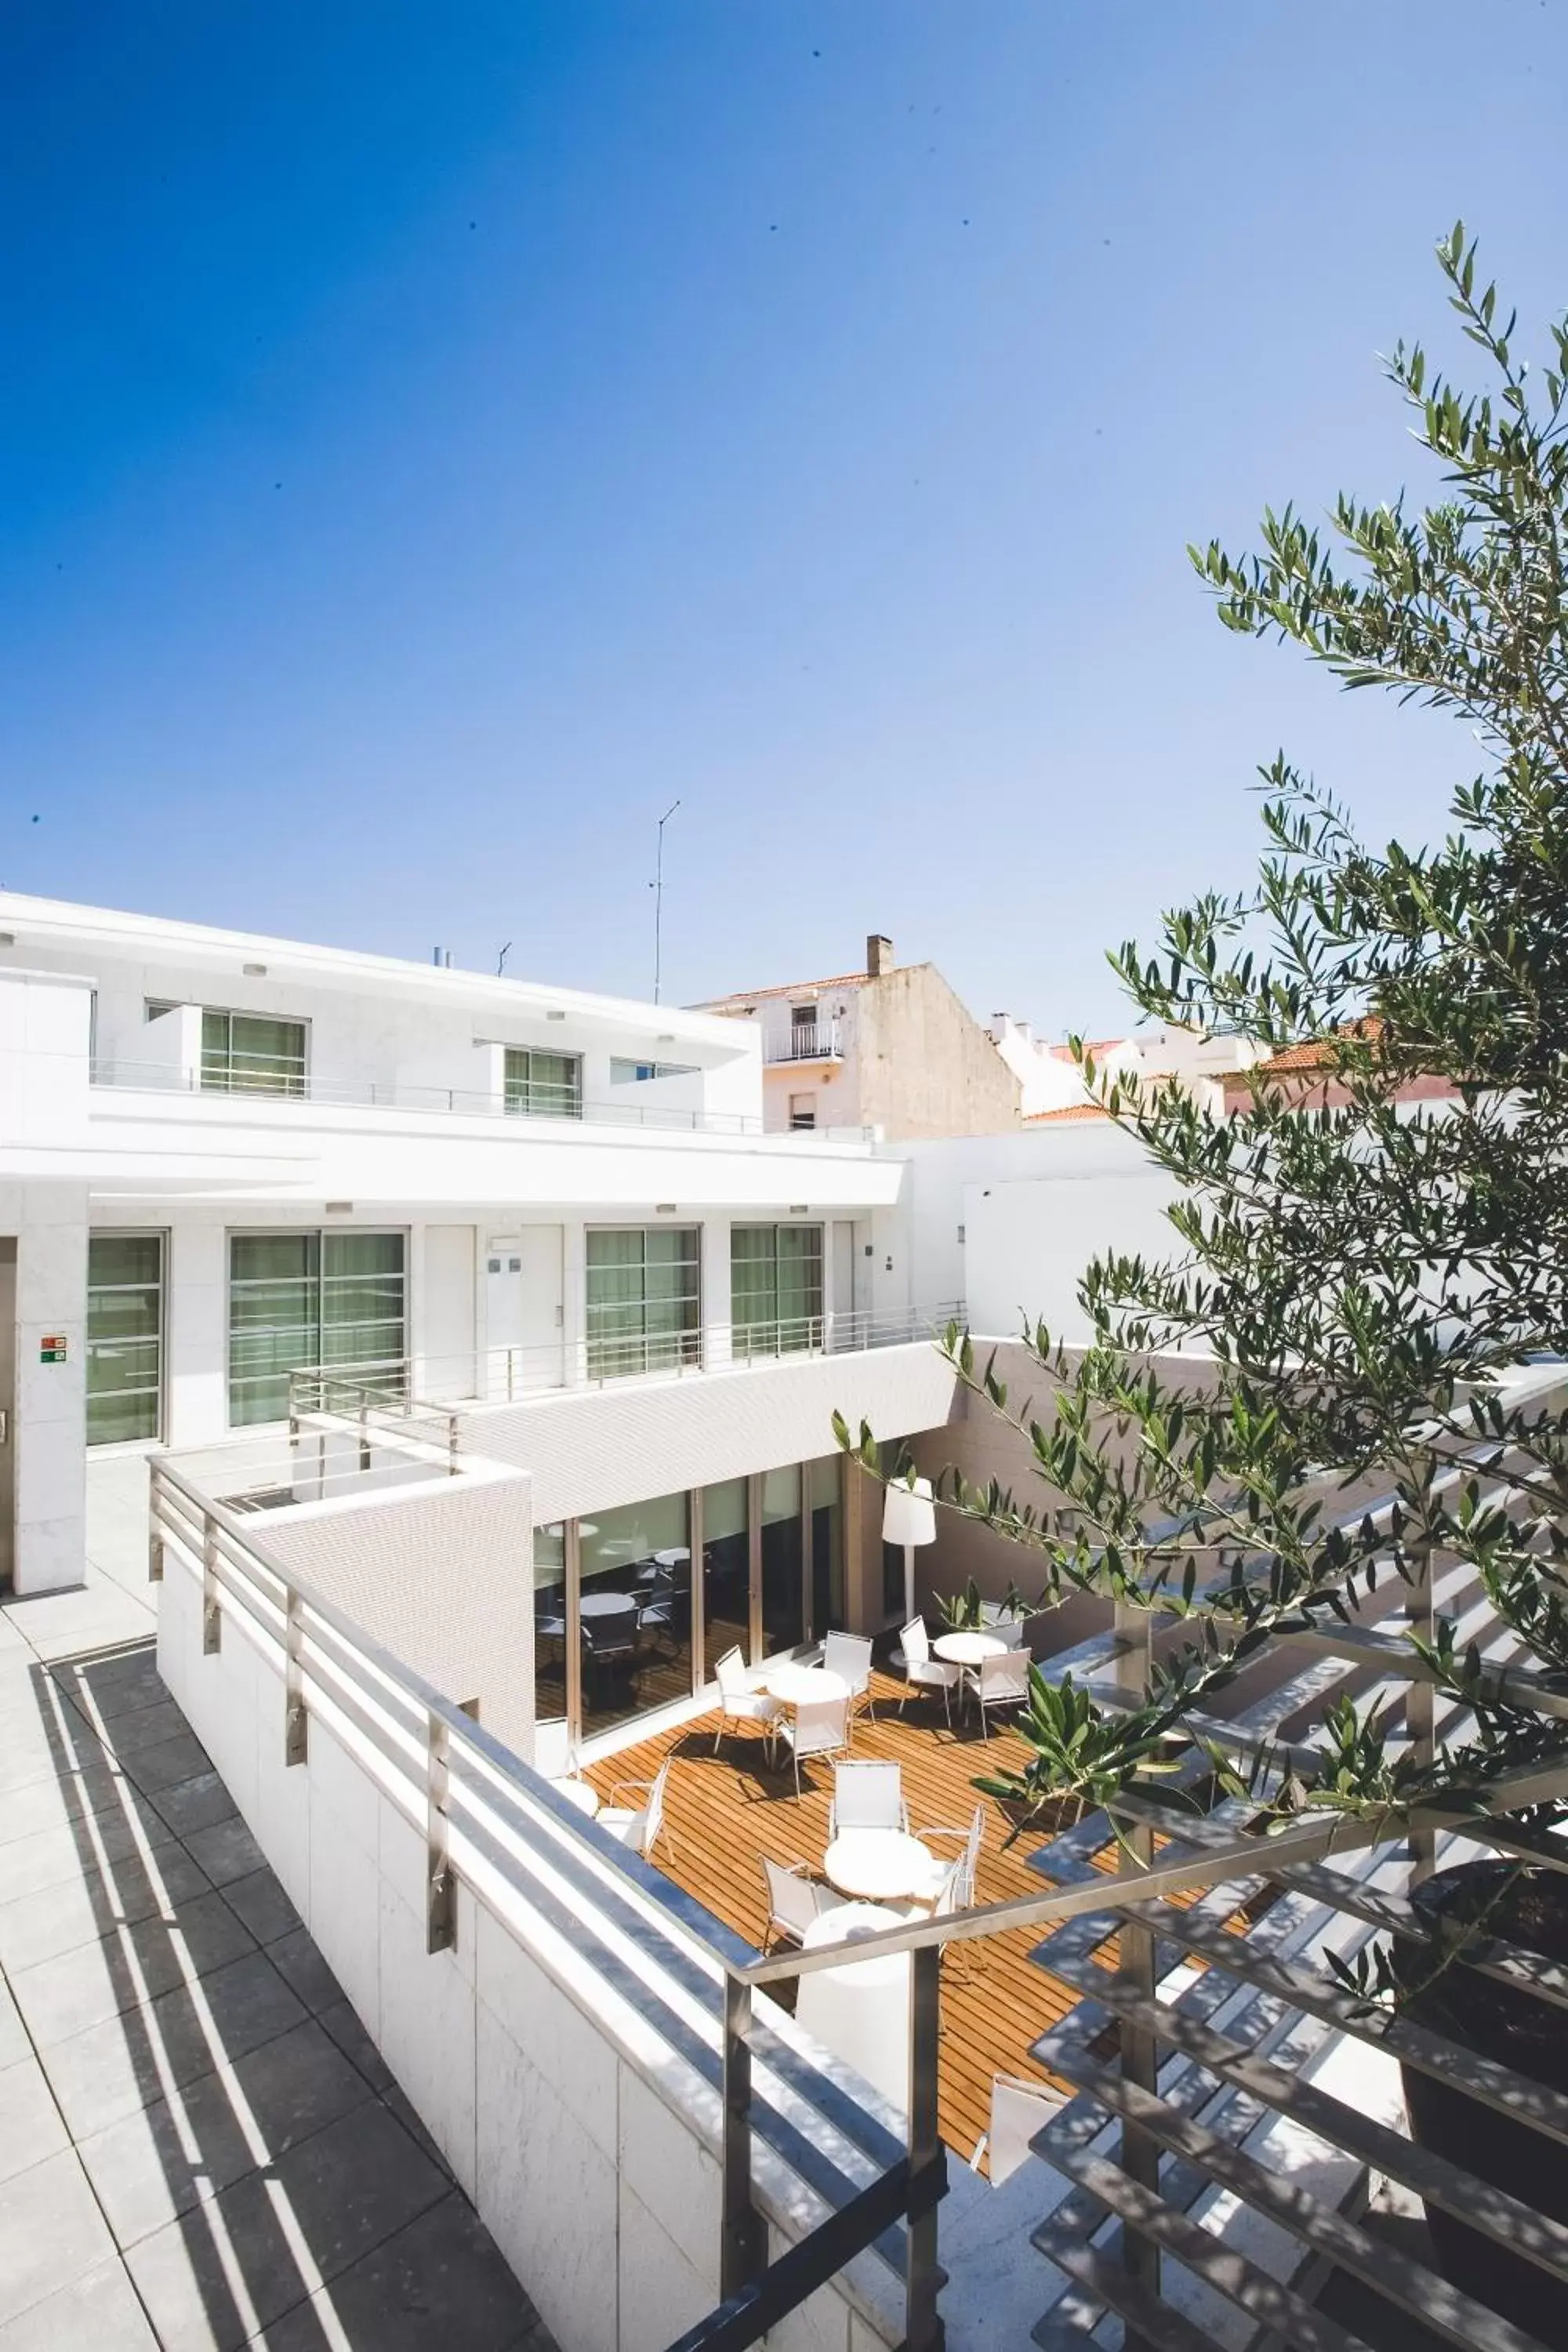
x=200, y=2147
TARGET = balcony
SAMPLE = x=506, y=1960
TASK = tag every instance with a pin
x=808, y=1041
x=510, y=1375
x=256, y=1087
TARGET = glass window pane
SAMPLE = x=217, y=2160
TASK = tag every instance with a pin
x=783, y=1579
x=548, y=1623
x=726, y=1571
x=635, y=1609
x=124, y=1337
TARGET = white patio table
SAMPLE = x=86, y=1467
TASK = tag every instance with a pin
x=878, y=1866
x=794, y=1685
x=968, y=1649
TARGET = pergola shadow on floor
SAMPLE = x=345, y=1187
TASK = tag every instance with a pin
x=725, y=1811
x=200, y=2147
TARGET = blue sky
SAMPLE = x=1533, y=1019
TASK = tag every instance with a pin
x=432, y=440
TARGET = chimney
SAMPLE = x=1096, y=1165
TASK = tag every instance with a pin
x=878, y=956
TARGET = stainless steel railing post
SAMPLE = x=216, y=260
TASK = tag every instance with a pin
x=742, y=2245
x=212, y=1613
x=923, y=2330
x=440, y=1888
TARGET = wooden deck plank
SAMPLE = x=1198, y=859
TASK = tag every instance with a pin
x=725, y=1811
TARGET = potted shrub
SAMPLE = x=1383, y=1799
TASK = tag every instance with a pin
x=1371, y=1239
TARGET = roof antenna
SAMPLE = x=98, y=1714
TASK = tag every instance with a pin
x=501, y=960
x=657, y=887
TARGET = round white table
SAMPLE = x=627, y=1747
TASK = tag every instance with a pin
x=860, y=2011
x=968, y=1649
x=878, y=1866
x=798, y=1685
x=578, y=1793
x=605, y=1604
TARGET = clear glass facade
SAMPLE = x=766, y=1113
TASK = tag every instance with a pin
x=551, y=1697
x=776, y=1288
x=726, y=1570
x=543, y=1085
x=298, y=1300
x=784, y=1560
x=635, y=1609
x=124, y=1337
x=824, y=1543
x=644, y=1300
x=244, y=1052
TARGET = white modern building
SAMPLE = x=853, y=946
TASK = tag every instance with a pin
x=226, y=1161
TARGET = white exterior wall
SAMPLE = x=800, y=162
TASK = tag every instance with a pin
x=585, y=2144
x=590, y=1449
x=45, y=1022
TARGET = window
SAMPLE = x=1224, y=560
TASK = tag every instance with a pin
x=776, y=1288
x=544, y=1086
x=784, y=1560
x=124, y=1337
x=297, y=1301
x=644, y=1300
x=249, y=1054
x=803, y=1110
x=625, y=1073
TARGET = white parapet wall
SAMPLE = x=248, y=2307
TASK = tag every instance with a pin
x=591, y=1449
x=562, y=2051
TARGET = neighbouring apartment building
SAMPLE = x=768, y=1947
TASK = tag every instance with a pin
x=891, y=1047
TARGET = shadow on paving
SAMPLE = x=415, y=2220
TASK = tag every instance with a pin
x=263, y=2178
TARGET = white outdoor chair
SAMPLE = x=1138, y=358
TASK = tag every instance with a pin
x=639, y=1826
x=554, y=1752
x=967, y=1863
x=739, y=1704
x=868, y=1797
x=922, y=1672
x=1019, y=2109
x=1002, y=1681
x=795, y=1901
x=848, y=1655
x=821, y=1727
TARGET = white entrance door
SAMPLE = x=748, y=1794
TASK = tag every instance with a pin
x=523, y=1310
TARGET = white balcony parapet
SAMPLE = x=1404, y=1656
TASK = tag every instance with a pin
x=508, y=1375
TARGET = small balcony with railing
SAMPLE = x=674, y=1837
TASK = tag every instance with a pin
x=804, y=1041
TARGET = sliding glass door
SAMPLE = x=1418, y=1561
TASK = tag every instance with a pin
x=644, y=1300
x=299, y=1300
x=124, y=1337
x=776, y=1288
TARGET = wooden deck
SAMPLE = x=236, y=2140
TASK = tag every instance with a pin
x=724, y=1812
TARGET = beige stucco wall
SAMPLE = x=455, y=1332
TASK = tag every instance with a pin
x=920, y=1063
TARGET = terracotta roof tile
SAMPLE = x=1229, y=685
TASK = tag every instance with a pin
x=743, y=996
x=1069, y=1111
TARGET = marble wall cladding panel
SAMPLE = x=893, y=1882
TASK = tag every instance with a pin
x=282, y=1814
x=426, y=2032
x=51, y=1269
x=339, y=1784
x=51, y=1554
x=671, y=2172
x=344, y=1912
x=821, y=2324
x=51, y=1394
x=662, y=2295
x=548, y=2193
x=567, y=2049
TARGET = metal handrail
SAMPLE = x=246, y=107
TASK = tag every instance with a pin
x=809, y=1041
x=1199, y=1855
x=515, y=1375
x=112, y=1073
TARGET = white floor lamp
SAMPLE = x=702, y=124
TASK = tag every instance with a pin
x=908, y=1517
